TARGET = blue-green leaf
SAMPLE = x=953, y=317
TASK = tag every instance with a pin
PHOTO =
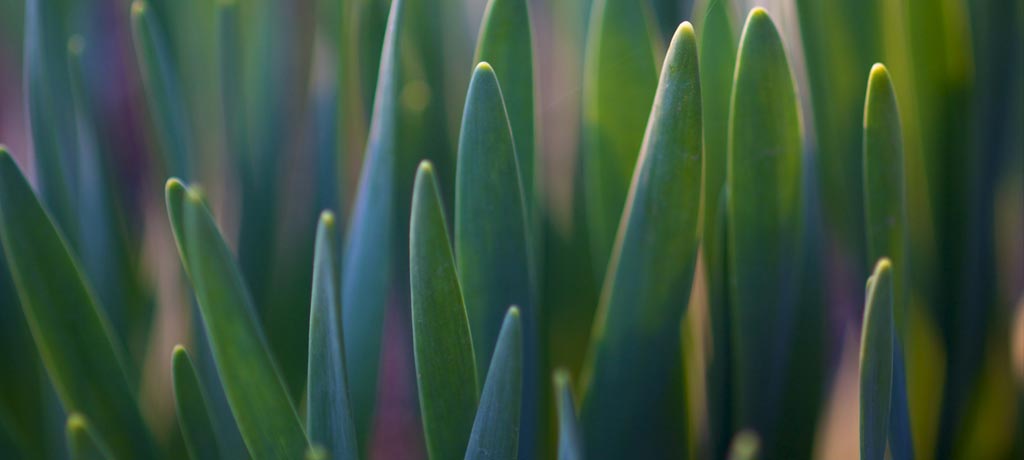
x=193, y=413
x=496, y=426
x=876, y=363
x=570, y=441
x=328, y=410
x=255, y=390
x=445, y=369
x=71, y=332
x=634, y=369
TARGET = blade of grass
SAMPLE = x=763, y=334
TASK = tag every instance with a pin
x=368, y=264
x=765, y=224
x=256, y=392
x=496, y=426
x=620, y=79
x=163, y=90
x=634, y=367
x=876, y=363
x=570, y=441
x=192, y=409
x=328, y=410
x=71, y=332
x=506, y=43
x=83, y=442
x=445, y=363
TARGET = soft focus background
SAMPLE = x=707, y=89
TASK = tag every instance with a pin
x=307, y=85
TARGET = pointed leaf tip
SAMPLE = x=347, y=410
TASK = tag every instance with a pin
x=484, y=66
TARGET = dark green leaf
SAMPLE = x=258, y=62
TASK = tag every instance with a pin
x=496, y=426
x=876, y=359
x=445, y=369
x=70, y=330
x=83, y=442
x=570, y=441
x=328, y=410
x=193, y=412
x=620, y=78
x=765, y=224
x=259, y=400
x=634, y=368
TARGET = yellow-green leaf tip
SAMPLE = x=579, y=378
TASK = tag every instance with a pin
x=138, y=8
x=425, y=167
x=76, y=422
x=561, y=377
x=759, y=13
x=745, y=446
x=878, y=80
x=327, y=218
x=3, y=151
x=685, y=31
x=174, y=185
x=484, y=66
x=513, y=312
x=883, y=265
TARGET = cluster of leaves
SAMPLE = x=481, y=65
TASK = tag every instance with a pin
x=700, y=198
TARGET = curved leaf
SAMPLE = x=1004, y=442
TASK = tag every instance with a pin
x=634, y=368
x=506, y=43
x=445, y=369
x=70, y=330
x=328, y=409
x=620, y=79
x=765, y=224
x=367, y=268
x=496, y=426
x=193, y=413
x=876, y=363
x=83, y=442
x=570, y=441
x=259, y=400
x=166, y=99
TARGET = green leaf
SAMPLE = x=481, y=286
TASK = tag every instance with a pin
x=229, y=53
x=765, y=224
x=368, y=264
x=496, y=426
x=506, y=43
x=885, y=207
x=163, y=90
x=54, y=134
x=70, y=330
x=570, y=441
x=746, y=445
x=259, y=400
x=193, y=413
x=83, y=442
x=876, y=363
x=634, y=368
x=445, y=366
x=717, y=63
x=329, y=410
x=492, y=236
x=620, y=79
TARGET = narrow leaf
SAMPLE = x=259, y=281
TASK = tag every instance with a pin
x=765, y=224
x=620, y=79
x=367, y=269
x=83, y=442
x=876, y=357
x=259, y=400
x=193, y=413
x=496, y=426
x=634, y=368
x=445, y=369
x=71, y=332
x=163, y=90
x=570, y=441
x=328, y=410
x=507, y=44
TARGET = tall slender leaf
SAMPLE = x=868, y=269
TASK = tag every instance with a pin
x=496, y=426
x=886, y=225
x=765, y=225
x=328, y=407
x=71, y=332
x=369, y=250
x=193, y=413
x=634, y=369
x=83, y=441
x=620, y=79
x=876, y=363
x=259, y=400
x=570, y=441
x=506, y=43
x=163, y=89
x=445, y=364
